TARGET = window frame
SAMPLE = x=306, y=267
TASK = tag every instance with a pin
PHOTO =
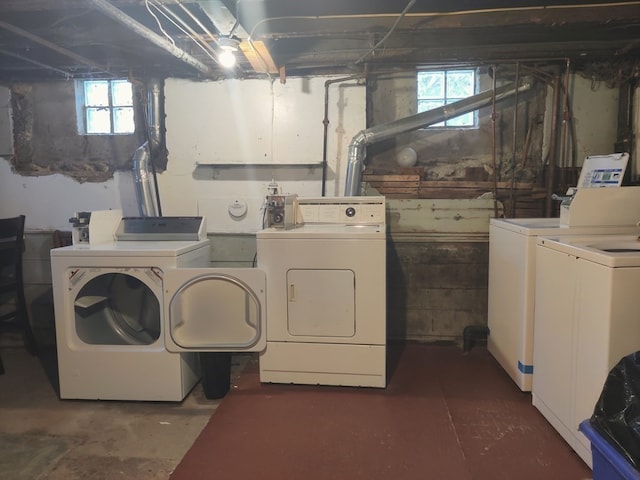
x=83, y=108
x=447, y=99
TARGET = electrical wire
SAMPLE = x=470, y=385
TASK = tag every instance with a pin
x=146, y=4
x=176, y=21
x=391, y=30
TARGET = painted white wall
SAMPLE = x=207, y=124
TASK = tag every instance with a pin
x=202, y=118
x=595, y=116
x=243, y=134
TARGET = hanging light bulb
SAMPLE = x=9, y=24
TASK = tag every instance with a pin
x=228, y=47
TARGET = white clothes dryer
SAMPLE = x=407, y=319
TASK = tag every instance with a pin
x=131, y=315
x=585, y=321
x=326, y=299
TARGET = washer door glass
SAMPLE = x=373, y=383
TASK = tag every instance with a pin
x=117, y=309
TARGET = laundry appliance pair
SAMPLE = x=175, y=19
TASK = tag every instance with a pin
x=136, y=302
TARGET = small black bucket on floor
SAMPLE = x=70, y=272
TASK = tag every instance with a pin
x=216, y=374
x=472, y=335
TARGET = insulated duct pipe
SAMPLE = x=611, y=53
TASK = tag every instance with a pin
x=144, y=174
x=105, y=7
x=358, y=144
x=155, y=115
x=144, y=182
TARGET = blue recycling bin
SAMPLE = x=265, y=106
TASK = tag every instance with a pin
x=608, y=463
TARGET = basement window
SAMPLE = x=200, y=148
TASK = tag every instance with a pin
x=105, y=107
x=441, y=87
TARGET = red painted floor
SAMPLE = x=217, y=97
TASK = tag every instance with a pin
x=445, y=414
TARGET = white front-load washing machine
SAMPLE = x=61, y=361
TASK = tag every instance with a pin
x=586, y=320
x=326, y=298
x=132, y=314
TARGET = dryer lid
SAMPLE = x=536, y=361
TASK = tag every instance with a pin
x=215, y=310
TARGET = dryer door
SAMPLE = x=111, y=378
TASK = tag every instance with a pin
x=214, y=310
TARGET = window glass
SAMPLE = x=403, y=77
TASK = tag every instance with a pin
x=123, y=120
x=96, y=93
x=122, y=94
x=440, y=87
x=98, y=121
x=106, y=107
x=431, y=85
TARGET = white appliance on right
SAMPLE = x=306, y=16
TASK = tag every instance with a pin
x=587, y=308
x=588, y=209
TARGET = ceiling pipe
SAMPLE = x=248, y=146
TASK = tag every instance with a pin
x=53, y=46
x=105, y=7
x=378, y=133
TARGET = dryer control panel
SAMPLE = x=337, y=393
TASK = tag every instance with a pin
x=342, y=210
x=161, y=228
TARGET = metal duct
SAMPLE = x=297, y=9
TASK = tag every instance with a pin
x=358, y=144
x=155, y=114
x=144, y=183
x=143, y=167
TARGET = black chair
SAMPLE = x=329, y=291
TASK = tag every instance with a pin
x=13, y=306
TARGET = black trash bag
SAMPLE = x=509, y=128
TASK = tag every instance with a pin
x=616, y=416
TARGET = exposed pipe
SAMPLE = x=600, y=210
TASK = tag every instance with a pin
x=143, y=182
x=144, y=172
x=155, y=131
x=155, y=114
x=424, y=119
x=325, y=123
x=512, y=195
x=565, y=119
x=494, y=160
x=551, y=164
x=118, y=15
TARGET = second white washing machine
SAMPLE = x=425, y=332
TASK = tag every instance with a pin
x=586, y=317
x=512, y=268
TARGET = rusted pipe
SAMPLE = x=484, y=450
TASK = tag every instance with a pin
x=494, y=163
x=551, y=164
x=565, y=120
x=512, y=195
